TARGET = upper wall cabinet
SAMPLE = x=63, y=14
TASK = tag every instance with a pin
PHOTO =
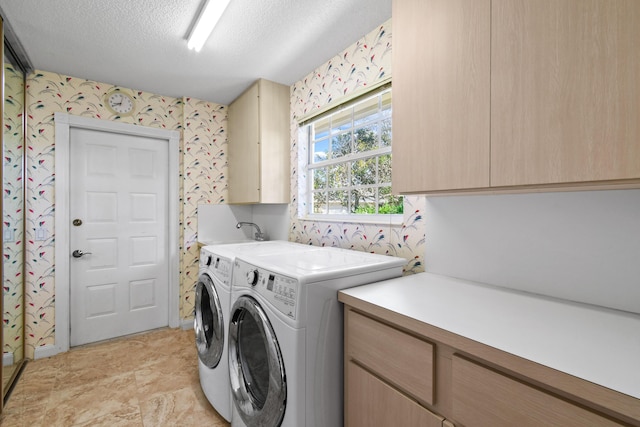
x=565, y=99
x=441, y=98
x=259, y=141
x=557, y=82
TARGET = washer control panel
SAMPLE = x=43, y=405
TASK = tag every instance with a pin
x=281, y=291
x=222, y=267
x=205, y=258
x=218, y=265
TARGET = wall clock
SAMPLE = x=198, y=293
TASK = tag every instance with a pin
x=119, y=103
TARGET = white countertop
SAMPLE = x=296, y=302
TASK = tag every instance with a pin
x=593, y=343
x=223, y=242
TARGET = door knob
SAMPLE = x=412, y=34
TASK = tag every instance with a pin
x=78, y=253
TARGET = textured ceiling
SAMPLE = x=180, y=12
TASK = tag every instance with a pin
x=141, y=44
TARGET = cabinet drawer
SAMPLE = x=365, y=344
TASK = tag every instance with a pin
x=372, y=403
x=482, y=397
x=400, y=358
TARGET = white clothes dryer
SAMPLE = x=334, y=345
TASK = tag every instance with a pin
x=286, y=334
x=212, y=304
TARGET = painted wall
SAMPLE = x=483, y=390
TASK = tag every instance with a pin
x=202, y=148
x=580, y=246
x=12, y=207
x=362, y=64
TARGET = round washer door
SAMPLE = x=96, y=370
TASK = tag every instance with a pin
x=209, y=323
x=256, y=369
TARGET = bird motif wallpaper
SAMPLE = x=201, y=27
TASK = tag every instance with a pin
x=202, y=164
x=203, y=167
x=364, y=63
x=205, y=182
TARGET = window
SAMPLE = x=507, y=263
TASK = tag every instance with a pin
x=349, y=165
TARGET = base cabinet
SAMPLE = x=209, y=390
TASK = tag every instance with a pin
x=400, y=358
x=402, y=372
x=388, y=376
x=485, y=398
x=374, y=403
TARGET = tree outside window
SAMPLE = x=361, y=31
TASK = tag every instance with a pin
x=350, y=160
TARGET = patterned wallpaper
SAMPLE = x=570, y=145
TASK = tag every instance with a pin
x=201, y=148
x=204, y=173
x=203, y=168
x=12, y=207
x=365, y=62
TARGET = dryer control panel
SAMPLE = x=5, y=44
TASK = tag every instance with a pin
x=222, y=268
x=281, y=291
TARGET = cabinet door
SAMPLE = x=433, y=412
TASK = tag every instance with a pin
x=400, y=358
x=243, y=148
x=275, y=143
x=441, y=94
x=372, y=403
x=485, y=398
x=565, y=98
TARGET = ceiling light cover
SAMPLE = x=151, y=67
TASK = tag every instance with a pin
x=209, y=17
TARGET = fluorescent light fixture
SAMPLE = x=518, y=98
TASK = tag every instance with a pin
x=209, y=17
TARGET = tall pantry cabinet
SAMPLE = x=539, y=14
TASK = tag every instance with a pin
x=515, y=94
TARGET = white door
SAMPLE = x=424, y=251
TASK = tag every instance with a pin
x=119, y=213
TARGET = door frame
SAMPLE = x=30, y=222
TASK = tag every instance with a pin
x=63, y=123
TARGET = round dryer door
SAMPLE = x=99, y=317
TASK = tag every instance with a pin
x=208, y=325
x=256, y=369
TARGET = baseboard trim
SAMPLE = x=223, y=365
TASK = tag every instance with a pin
x=186, y=324
x=45, y=351
x=7, y=359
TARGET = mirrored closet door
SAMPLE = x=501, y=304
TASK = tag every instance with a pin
x=13, y=224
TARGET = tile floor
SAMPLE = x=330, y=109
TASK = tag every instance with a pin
x=148, y=380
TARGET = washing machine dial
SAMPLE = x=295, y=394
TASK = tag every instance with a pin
x=252, y=277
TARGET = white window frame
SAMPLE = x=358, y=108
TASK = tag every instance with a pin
x=310, y=166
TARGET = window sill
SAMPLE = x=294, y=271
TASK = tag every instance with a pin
x=389, y=219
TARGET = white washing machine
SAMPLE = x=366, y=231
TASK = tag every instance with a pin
x=286, y=334
x=212, y=304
